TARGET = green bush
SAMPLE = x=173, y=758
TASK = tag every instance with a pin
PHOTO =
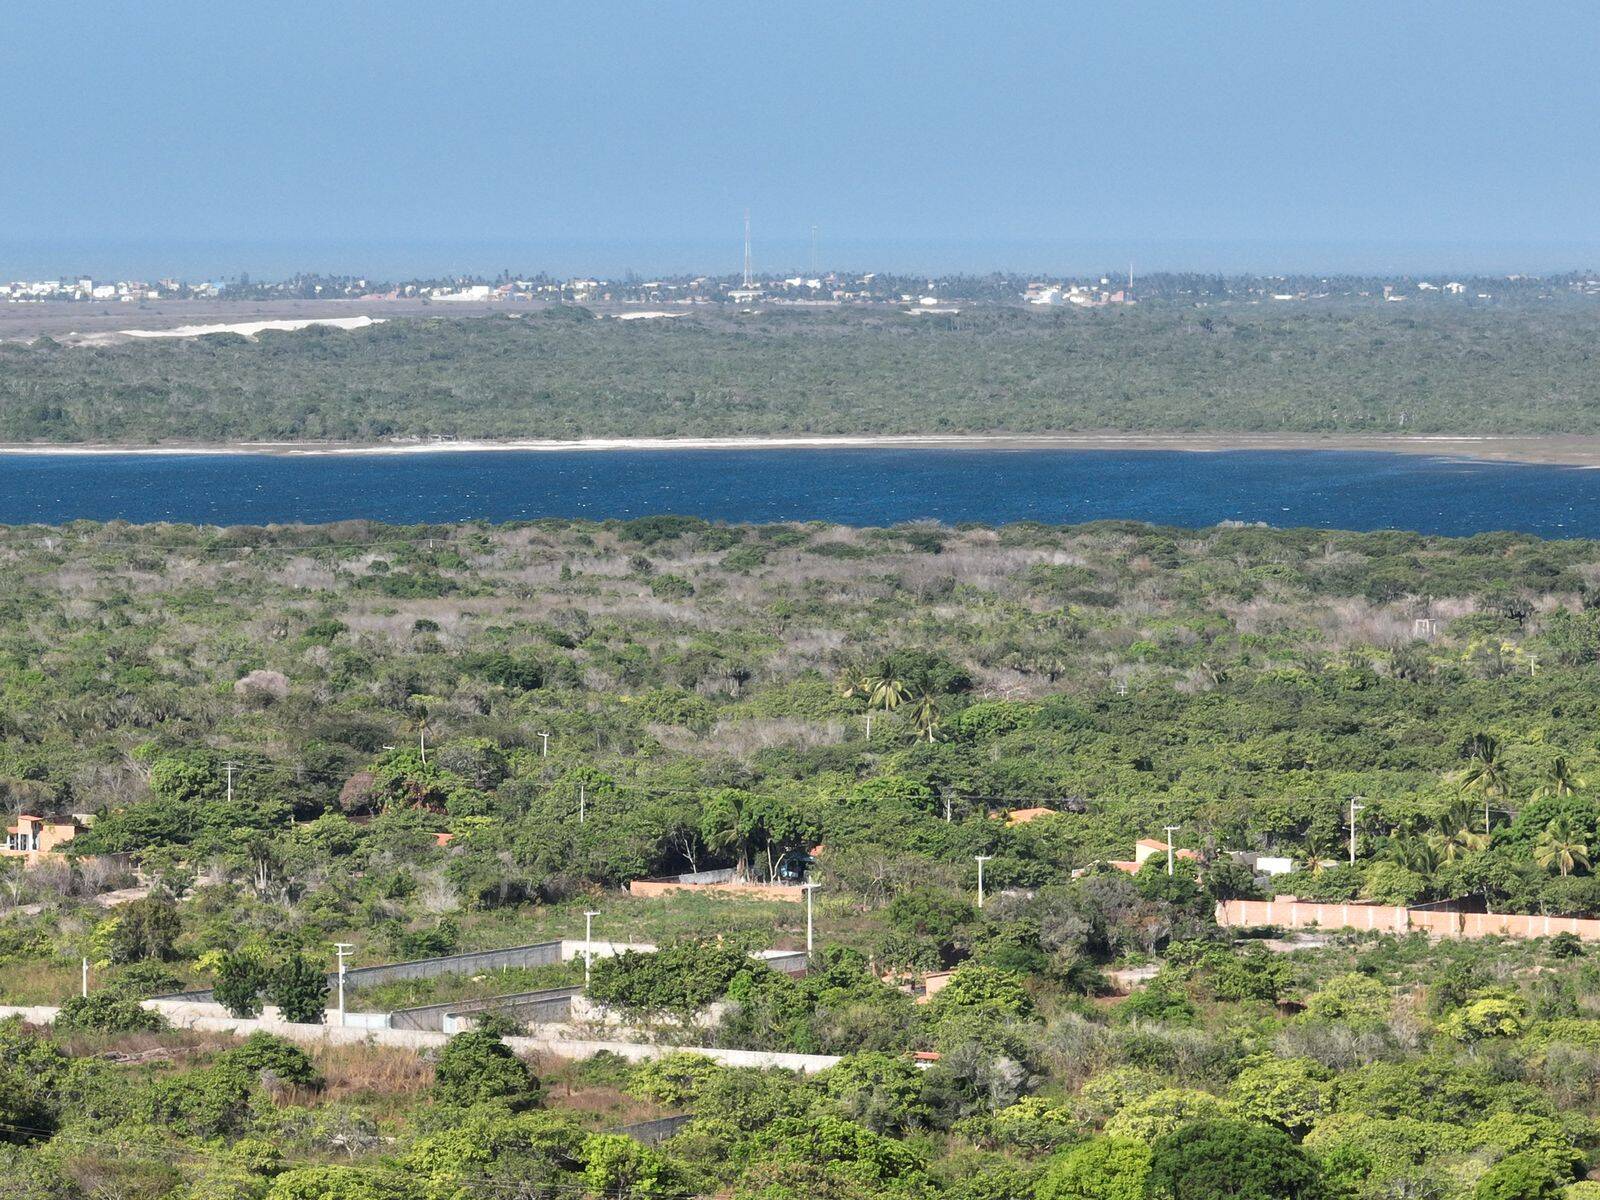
x=477, y=1067
x=108, y=1011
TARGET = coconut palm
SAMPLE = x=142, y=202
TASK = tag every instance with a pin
x=1486, y=771
x=1419, y=854
x=1558, y=780
x=884, y=689
x=1456, y=836
x=925, y=715
x=1558, y=848
x=1315, y=853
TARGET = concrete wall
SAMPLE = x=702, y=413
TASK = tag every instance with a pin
x=1387, y=918
x=537, y=954
x=573, y=948
x=421, y=1039
x=544, y=1007
x=653, y=1133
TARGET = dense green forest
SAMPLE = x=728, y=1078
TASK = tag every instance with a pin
x=740, y=696
x=1157, y=367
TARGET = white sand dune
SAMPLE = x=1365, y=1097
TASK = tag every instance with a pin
x=249, y=329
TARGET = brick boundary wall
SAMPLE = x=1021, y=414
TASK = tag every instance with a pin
x=1389, y=918
x=766, y=891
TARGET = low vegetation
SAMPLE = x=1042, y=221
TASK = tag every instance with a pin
x=431, y=740
x=1163, y=366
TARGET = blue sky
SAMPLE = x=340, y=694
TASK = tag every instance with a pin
x=397, y=136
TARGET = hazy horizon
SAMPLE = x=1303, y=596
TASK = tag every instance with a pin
x=408, y=138
x=269, y=260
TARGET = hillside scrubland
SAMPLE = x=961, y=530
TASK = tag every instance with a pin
x=708, y=691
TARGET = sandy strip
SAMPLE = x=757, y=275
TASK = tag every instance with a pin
x=247, y=329
x=1580, y=451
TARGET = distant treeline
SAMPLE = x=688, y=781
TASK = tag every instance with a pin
x=1298, y=368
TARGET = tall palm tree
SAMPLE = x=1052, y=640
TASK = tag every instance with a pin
x=1558, y=780
x=1455, y=836
x=1419, y=854
x=1486, y=772
x=1559, y=849
x=884, y=688
x=925, y=715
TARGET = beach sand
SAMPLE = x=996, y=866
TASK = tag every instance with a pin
x=1578, y=451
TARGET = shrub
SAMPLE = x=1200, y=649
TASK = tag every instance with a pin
x=262, y=1053
x=300, y=990
x=1104, y=1169
x=1231, y=1160
x=1520, y=1177
x=983, y=989
x=108, y=1011
x=475, y=1067
x=240, y=978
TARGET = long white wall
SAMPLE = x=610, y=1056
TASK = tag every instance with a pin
x=200, y=1016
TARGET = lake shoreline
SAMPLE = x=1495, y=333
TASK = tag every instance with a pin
x=1546, y=449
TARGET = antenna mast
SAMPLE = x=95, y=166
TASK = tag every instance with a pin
x=747, y=280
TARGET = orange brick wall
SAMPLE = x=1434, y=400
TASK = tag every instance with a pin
x=770, y=891
x=1302, y=914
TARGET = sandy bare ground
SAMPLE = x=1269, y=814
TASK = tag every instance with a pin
x=1553, y=449
x=72, y=322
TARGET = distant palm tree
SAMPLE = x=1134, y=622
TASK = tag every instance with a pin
x=1486, y=772
x=1314, y=852
x=1558, y=780
x=1455, y=836
x=1559, y=849
x=884, y=689
x=1419, y=854
x=925, y=715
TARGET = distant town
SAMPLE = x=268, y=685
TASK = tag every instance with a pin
x=921, y=294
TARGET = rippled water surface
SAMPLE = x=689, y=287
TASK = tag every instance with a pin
x=1336, y=489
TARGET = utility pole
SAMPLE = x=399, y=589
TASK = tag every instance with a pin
x=947, y=808
x=84, y=990
x=422, y=739
x=1169, y=829
x=981, y=859
x=230, y=768
x=582, y=804
x=809, y=888
x=588, y=945
x=342, y=949
x=1356, y=807
x=545, y=751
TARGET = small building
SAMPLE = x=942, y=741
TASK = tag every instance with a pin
x=34, y=835
x=1148, y=847
x=1264, y=866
